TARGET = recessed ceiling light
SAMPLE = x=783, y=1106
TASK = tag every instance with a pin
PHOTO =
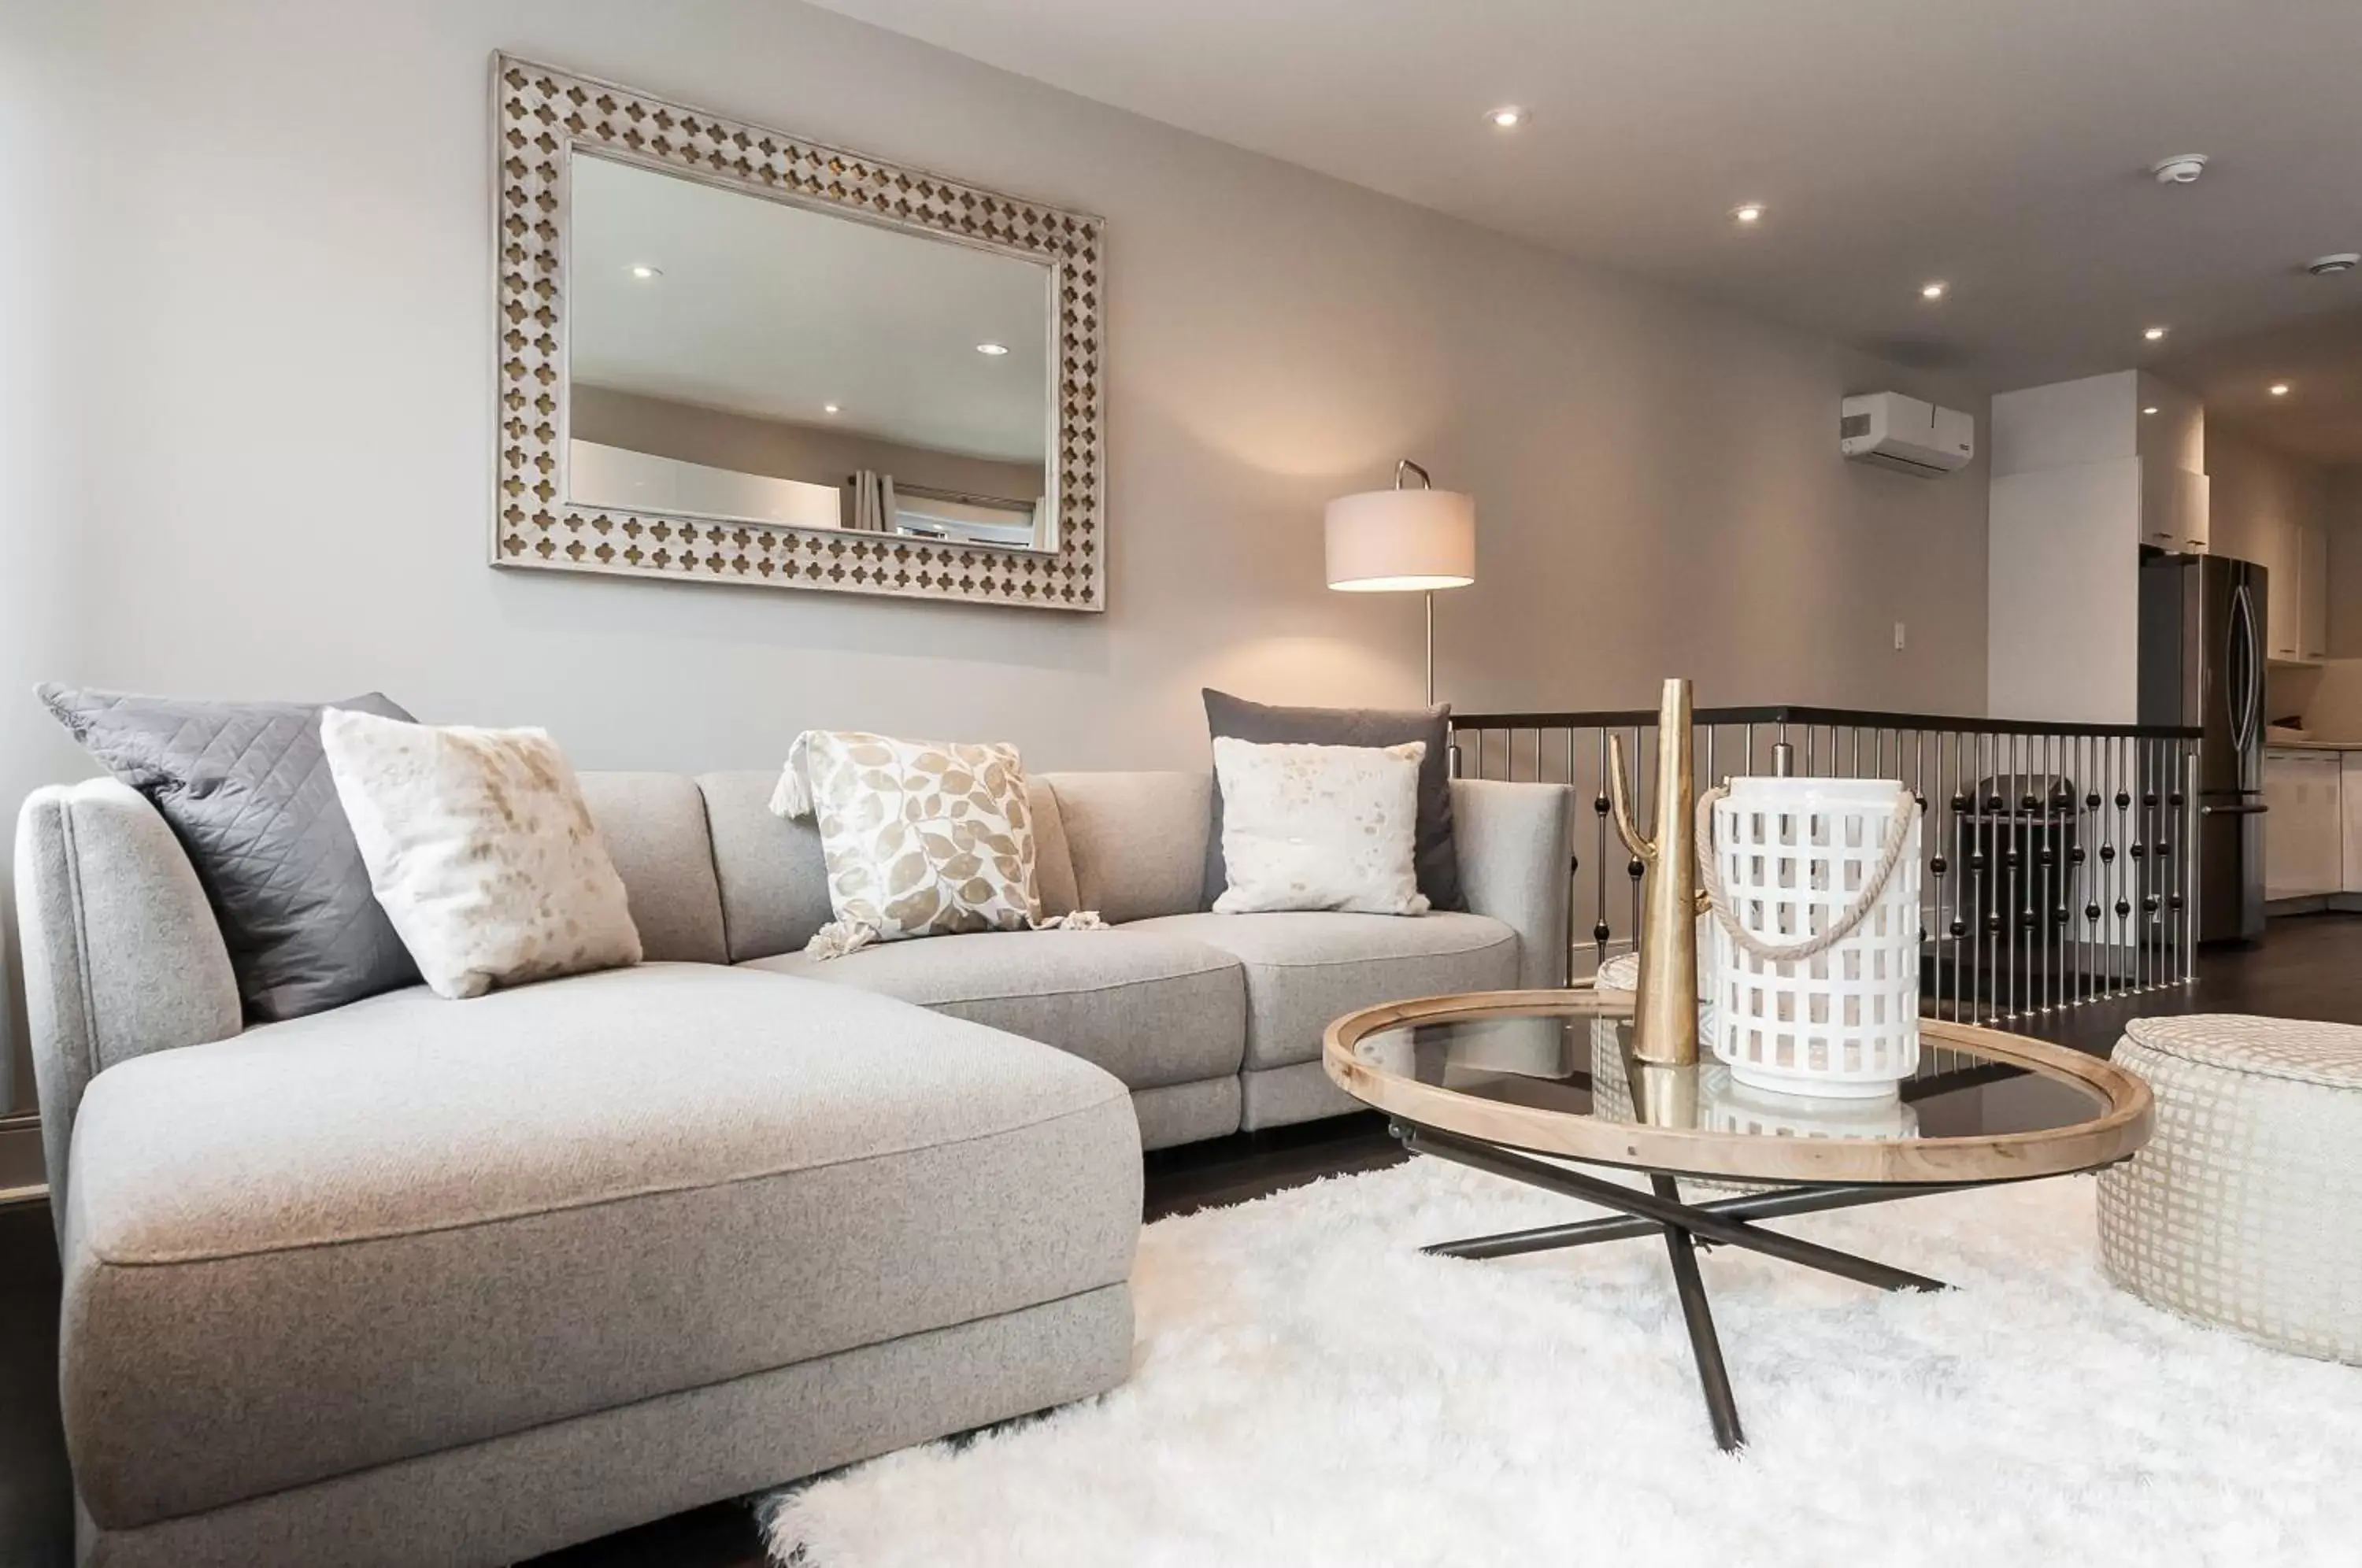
x=2153, y=332
x=2150, y=408
x=2280, y=389
x=1936, y=291
x=1747, y=213
x=643, y=271
x=828, y=408
x=1509, y=117
x=995, y=349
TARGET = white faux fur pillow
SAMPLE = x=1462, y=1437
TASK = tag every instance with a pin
x=1320, y=827
x=481, y=850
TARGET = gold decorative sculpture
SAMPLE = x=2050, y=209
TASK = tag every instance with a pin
x=1665, y=1013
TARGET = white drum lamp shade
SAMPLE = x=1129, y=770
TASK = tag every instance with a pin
x=1395, y=541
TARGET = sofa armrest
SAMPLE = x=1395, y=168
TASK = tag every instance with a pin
x=1516, y=845
x=122, y=953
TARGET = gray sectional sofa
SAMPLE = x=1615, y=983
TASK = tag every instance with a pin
x=418, y=1281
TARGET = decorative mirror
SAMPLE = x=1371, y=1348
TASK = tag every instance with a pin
x=729, y=355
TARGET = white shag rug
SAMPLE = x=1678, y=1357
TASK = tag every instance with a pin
x=1308, y=1390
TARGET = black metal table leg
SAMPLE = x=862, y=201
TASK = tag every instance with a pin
x=1705, y=1224
x=1686, y=1227
x=1705, y=1346
x=1622, y=1228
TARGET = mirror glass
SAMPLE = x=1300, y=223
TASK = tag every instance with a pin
x=736, y=359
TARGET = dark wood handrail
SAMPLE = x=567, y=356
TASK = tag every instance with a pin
x=1799, y=714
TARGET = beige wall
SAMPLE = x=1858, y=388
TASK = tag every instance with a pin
x=781, y=449
x=253, y=346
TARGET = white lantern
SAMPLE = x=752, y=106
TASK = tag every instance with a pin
x=1730, y=1105
x=1815, y=884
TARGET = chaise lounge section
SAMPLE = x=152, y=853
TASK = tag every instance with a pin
x=417, y=1280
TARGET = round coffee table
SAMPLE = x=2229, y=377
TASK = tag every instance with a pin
x=1491, y=1080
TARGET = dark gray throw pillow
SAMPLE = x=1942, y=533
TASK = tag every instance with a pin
x=247, y=788
x=1438, y=860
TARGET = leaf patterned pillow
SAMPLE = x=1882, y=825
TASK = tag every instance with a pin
x=921, y=838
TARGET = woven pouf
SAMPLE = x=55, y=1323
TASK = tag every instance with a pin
x=2244, y=1209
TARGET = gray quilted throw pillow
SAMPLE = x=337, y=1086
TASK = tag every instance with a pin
x=246, y=788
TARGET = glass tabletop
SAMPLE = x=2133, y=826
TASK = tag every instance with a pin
x=1558, y=1076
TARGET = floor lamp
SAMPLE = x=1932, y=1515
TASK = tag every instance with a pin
x=1403, y=541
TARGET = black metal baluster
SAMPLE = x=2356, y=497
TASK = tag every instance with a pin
x=1599, y=931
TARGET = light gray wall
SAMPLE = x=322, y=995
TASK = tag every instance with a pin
x=252, y=239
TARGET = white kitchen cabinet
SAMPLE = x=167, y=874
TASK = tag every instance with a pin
x=2279, y=552
x=2350, y=787
x=2297, y=599
x=2197, y=512
x=2304, y=832
x=2313, y=590
x=2173, y=508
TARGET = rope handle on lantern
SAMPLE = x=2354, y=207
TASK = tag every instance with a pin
x=1898, y=836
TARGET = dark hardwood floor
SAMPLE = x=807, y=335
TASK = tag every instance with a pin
x=2307, y=967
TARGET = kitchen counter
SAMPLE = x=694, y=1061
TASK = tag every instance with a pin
x=2316, y=743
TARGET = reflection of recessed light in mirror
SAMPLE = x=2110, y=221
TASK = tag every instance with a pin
x=1747, y=212
x=1933, y=291
x=994, y=350
x=828, y=408
x=643, y=271
x=2280, y=389
x=1509, y=117
x=2154, y=333
x=2150, y=408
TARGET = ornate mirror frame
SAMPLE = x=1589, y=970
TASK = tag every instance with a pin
x=541, y=116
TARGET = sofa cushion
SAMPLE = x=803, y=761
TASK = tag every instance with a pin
x=772, y=874
x=654, y=824
x=1137, y=841
x=1303, y=969
x=411, y=1224
x=1150, y=1009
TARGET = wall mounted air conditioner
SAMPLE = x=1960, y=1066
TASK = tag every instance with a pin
x=1904, y=434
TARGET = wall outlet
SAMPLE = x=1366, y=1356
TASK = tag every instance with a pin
x=1898, y=636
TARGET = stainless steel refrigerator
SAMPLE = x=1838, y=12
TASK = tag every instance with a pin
x=2201, y=664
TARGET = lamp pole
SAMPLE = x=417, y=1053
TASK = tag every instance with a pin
x=1430, y=647
x=1404, y=470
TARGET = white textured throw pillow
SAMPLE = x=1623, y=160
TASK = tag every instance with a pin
x=481, y=850
x=922, y=838
x=1320, y=827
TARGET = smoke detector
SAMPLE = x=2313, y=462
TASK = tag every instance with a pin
x=2330, y=266
x=2180, y=169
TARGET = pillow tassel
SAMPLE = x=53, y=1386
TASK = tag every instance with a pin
x=839, y=937
x=792, y=798
x=1081, y=920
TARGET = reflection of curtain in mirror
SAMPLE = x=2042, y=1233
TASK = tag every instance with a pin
x=872, y=503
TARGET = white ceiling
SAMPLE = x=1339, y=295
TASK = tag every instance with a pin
x=774, y=311
x=2002, y=146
